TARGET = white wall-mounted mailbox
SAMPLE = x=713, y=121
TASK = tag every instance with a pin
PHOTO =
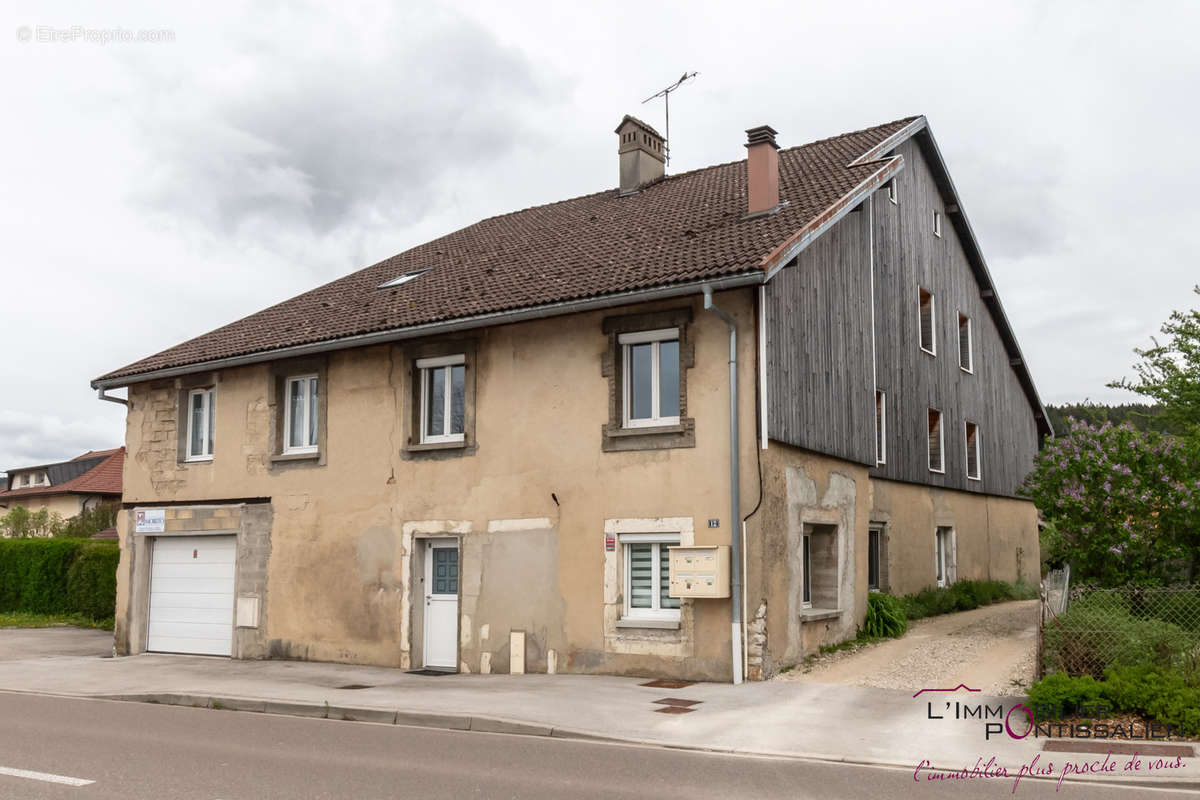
x=699, y=571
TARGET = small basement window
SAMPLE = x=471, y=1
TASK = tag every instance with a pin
x=936, y=460
x=927, y=308
x=966, y=359
x=972, y=435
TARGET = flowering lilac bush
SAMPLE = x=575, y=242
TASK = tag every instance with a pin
x=1125, y=503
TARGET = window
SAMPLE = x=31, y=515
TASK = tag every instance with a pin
x=937, y=224
x=403, y=279
x=943, y=555
x=647, y=576
x=806, y=558
x=200, y=419
x=928, y=311
x=300, y=414
x=972, y=433
x=874, y=549
x=443, y=398
x=936, y=463
x=880, y=427
x=651, y=378
x=891, y=191
x=965, y=357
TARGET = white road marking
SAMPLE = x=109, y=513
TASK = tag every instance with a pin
x=44, y=776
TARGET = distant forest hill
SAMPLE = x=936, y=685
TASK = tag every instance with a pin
x=1142, y=416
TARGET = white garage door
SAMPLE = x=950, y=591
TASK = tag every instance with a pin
x=191, y=595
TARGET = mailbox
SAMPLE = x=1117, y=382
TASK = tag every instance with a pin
x=699, y=571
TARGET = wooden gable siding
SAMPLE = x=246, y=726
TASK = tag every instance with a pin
x=818, y=325
x=909, y=257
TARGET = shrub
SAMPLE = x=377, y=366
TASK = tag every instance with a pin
x=1099, y=631
x=1162, y=694
x=93, y=520
x=41, y=576
x=1058, y=694
x=961, y=596
x=885, y=616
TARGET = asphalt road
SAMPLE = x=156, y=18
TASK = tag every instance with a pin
x=134, y=751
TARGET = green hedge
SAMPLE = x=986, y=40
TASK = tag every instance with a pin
x=59, y=576
x=1159, y=693
x=963, y=596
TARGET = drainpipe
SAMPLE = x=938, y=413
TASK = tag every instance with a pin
x=735, y=512
x=101, y=394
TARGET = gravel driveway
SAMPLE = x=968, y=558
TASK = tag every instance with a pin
x=991, y=648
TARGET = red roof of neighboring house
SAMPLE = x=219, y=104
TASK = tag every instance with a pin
x=103, y=478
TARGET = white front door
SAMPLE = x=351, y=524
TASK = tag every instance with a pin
x=191, y=594
x=441, y=604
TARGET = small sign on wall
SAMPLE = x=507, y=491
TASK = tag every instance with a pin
x=714, y=523
x=610, y=542
x=149, y=520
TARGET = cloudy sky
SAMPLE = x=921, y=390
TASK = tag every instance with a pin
x=153, y=190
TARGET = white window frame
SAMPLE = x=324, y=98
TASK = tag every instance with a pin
x=978, y=476
x=805, y=570
x=969, y=367
x=944, y=554
x=941, y=442
x=881, y=427
x=659, y=540
x=306, y=421
x=655, y=337
x=208, y=394
x=932, y=349
x=937, y=223
x=891, y=192
x=426, y=366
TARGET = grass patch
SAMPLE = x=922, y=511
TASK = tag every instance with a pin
x=28, y=619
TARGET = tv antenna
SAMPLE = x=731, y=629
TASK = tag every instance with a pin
x=665, y=94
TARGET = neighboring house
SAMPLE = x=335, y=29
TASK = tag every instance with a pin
x=478, y=455
x=66, y=488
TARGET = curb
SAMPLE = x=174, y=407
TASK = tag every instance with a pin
x=487, y=724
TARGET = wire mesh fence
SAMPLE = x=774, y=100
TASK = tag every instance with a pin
x=1085, y=630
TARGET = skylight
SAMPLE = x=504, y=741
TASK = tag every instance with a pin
x=403, y=279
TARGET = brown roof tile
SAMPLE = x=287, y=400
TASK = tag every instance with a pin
x=104, y=478
x=685, y=228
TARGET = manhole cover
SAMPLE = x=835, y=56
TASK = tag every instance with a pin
x=678, y=701
x=663, y=683
x=433, y=672
x=673, y=710
x=356, y=686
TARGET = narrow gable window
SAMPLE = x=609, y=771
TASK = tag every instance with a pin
x=928, y=310
x=937, y=224
x=966, y=358
x=891, y=191
x=201, y=415
x=443, y=398
x=651, y=381
x=936, y=462
x=972, y=434
x=880, y=427
x=300, y=414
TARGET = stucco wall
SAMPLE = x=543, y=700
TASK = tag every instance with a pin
x=65, y=505
x=343, y=531
x=996, y=537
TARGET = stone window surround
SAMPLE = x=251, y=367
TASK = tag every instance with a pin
x=636, y=637
x=277, y=401
x=184, y=386
x=614, y=436
x=410, y=382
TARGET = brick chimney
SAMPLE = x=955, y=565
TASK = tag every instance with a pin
x=762, y=169
x=643, y=154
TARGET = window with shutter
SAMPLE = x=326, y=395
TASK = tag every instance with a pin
x=965, y=357
x=972, y=451
x=935, y=441
x=880, y=427
x=647, y=577
x=928, y=329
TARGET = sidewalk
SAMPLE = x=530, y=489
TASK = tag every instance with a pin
x=776, y=718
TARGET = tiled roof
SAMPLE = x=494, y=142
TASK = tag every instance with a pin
x=103, y=478
x=685, y=228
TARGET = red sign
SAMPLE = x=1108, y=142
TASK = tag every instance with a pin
x=610, y=542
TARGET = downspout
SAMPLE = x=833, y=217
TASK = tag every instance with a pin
x=735, y=514
x=101, y=394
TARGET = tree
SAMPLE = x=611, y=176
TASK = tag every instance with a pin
x=22, y=523
x=1169, y=373
x=1125, y=503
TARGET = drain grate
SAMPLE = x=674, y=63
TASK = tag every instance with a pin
x=356, y=686
x=678, y=701
x=663, y=683
x=433, y=672
x=673, y=710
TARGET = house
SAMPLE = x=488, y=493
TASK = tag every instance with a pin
x=512, y=448
x=66, y=488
